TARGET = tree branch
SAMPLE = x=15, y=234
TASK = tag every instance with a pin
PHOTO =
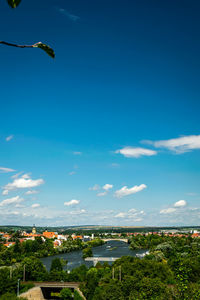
x=15, y=45
x=40, y=45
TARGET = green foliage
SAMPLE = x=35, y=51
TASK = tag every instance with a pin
x=95, y=243
x=56, y=264
x=77, y=296
x=46, y=48
x=78, y=274
x=112, y=291
x=10, y=296
x=165, y=248
x=58, y=276
x=87, y=252
x=66, y=294
x=34, y=269
x=149, y=288
x=170, y=271
x=92, y=280
x=71, y=245
x=13, y=3
x=19, y=251
x=17, y=247
x=25, y=287
x=193, y=292
x=7, y=284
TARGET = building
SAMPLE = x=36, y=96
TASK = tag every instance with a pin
x=49, y=234
x=34, y=229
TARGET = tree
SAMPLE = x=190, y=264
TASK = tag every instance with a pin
x=34, y=269
x=9, y=296
x=92, y=281
x=77, y=296
x=44, y=47
x=56, y=265
x=66, y=294
x=112, y=291
x=17, y=247
x=7, y=284
x=87, y=252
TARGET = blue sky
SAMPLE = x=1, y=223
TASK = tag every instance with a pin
x=108, y=132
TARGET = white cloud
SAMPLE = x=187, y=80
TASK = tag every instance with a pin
x=181, y=144
x=121, y=215
x=107, y=186
x=115, y=165
x=70, y=16
x=191, y=194
x=31, y=192
x=5, y=192
x=26, y=176
x=77, y=153
x=23, y=182
x=168, y=210
x=71, y=202
x=180, y=203
x=35, y=205
x=124, y=191
x=78, y=212
x=72, y=173
x=13, y=200
x=136, y=152
x=132, y=214
x=18, y=205
x=138, y=220
x=94, y=188
x=15, y=213
x=133, y=210
x=9, y=138
x=177, y=205
x=6, y=170
x=102, y=194
x=16, y=175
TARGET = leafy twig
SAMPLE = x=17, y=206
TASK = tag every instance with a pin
x=13, y=3
x=40, y=45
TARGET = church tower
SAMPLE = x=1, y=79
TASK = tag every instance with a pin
x=34, y=229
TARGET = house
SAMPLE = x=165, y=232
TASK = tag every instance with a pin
x=49, y=234
x=194, y=235
x=57, y=243
x=9, y=244
x=75, y=237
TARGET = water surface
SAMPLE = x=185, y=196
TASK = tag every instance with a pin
x=110, y=249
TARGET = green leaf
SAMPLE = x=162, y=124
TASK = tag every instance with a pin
x=46, y=48
x=13, y=3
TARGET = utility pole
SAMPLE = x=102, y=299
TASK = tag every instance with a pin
x=120, y=273
x=18, y=287
x=24, y=275
x=113, y=273
x=10, y=272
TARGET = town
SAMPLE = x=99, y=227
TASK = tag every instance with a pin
x=8, y=239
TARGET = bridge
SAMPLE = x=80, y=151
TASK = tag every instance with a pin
x=42, y=290
x=97, y=259
x=121, y=240
x=72, y=285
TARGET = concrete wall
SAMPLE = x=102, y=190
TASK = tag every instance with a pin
x=33, y=294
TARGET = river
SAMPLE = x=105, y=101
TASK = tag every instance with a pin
x=110, y=249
